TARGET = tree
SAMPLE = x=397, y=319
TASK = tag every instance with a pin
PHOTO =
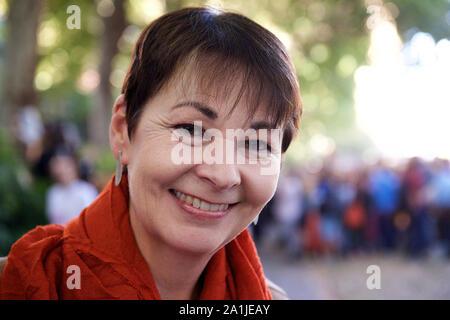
x=20, y=56
x=114, y=25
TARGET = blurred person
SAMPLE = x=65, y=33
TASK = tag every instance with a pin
x=384, y=191
x=311, y=235
x=265, y=221
x=57, y=135
x=69, y=195
x=30, y=131
x=439, y=198
x=162, y=229
x=288, y=211
x=346, y=193
x=355, y=220
x=329, y=209
x=310, y=224
x=52, y=140
x=414, y=183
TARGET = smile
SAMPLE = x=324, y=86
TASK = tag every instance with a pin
x=199, y=203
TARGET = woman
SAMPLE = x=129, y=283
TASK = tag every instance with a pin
x=164, y=228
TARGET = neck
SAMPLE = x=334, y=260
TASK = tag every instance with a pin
x=177, y=274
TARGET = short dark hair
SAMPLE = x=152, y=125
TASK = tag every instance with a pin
x=222, y=46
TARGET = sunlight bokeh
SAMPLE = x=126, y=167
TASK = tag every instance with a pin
x=401, y=98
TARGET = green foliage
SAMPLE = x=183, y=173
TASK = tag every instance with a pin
x=106, y=163
x=22, y=200
x=426, y=16
x=64, y=54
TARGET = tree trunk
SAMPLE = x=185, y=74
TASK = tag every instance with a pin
x=114, y=26
x=20, y=57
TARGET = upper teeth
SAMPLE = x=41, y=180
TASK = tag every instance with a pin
x=197, y=203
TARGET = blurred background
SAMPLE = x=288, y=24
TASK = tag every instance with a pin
x=367, y=181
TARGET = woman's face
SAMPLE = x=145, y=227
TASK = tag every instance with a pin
x=155, y=178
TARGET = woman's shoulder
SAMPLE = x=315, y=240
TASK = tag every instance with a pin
x=41, y=238
x=33, y=264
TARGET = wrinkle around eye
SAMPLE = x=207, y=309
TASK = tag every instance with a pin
x=152, y=129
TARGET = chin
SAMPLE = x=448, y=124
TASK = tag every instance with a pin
x=196, y=240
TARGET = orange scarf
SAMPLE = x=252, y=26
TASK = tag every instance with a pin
x=101, y=243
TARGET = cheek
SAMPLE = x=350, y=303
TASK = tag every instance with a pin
x=261, y=188
x=152, y=168
x=151, y=173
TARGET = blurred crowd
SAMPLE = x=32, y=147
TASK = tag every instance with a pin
x=369, y=208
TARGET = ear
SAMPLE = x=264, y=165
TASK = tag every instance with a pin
x=118, y=130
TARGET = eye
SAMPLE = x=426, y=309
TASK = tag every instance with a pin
x=257, y=145
x=191, y=134
x=191, y=128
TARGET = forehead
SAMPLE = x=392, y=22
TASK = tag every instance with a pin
x=230, y=93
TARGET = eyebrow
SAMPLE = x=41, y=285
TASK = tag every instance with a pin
x=262, y=125
x=211, y=114
x=203, y=108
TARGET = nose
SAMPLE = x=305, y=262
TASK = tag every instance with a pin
x=220, y=176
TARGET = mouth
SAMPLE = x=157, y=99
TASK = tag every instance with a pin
x=201, y=208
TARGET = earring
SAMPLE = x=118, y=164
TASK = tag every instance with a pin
x=118, y=169
x=255, y=221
